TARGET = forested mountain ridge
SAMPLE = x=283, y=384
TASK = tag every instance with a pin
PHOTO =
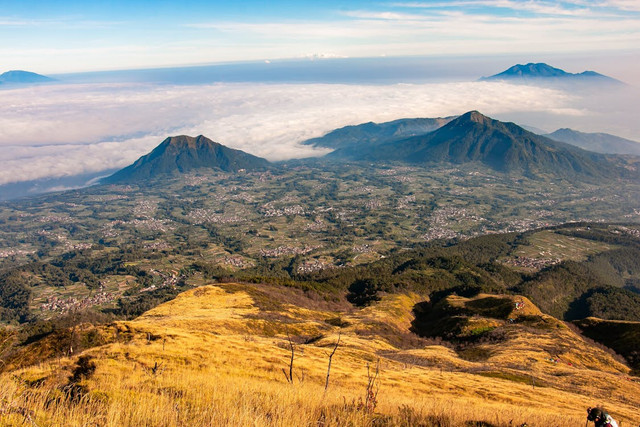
x=505, y=147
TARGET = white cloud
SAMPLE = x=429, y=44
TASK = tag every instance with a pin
x=573, y=8
x=630, y=5
x=394, y=16
x=457, y=31
x=62, y=130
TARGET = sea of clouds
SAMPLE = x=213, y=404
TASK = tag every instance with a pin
x=63, y=130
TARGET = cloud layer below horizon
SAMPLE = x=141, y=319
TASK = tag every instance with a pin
x=65, y=130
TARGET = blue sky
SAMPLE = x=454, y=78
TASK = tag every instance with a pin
x=70, y=36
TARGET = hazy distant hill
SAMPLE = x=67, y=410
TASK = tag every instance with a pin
x=545, y=72
x=23, y=77
x=598, y=142
x=378, y=133
x=179, y=154
x=474, y=137
x=15, y=190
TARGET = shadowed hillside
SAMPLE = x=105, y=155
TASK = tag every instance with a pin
x=621, y=336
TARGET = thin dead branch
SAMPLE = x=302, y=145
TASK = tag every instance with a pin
x=326, y=384
x=290, y=376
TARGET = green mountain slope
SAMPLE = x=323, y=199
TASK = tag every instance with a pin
x=504, y=147
x=180, y=154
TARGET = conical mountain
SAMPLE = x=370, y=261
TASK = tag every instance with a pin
x=545, y=72
x=505, y=147
x=180, y=154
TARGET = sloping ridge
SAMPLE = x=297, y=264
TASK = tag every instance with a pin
x=598, y=142
x=505, y=147
x=371, y=133
x=180, y=154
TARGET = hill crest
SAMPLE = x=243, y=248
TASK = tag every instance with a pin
x=181, y=154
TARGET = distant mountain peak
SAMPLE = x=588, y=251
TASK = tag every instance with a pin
x=183, y=153
x=186, y=142
x=475, y=116
x=503, y=146
x=539, y=69
x=23, y=77
x=542, y=71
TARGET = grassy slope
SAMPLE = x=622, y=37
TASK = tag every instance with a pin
x=619, y=335
x=219, y=352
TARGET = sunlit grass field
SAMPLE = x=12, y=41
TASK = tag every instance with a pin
x=220, y=355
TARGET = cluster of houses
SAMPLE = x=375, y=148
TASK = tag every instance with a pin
x=630, y=231
x=362, y=249
x=404, y=202
x=6, y=253
x=312, y=265
x=532, y=263
x=201, y=216
x=237, y=261
x=317, y=225
x=171, y=279
x=444, y=216
x=144, y=209
x=55, y=218
x=152, y=224
x=436, y=233
x=157, y=245
x=67, y=305
x=286, y=250
x=285, y=211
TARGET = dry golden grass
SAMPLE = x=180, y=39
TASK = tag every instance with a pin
x=215, y=357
